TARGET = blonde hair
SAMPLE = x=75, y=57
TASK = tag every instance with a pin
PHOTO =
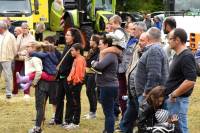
x=116, y=19
x=36, y=45
x=47, y=47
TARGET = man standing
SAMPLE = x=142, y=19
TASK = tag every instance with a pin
x=182, y=77
x=130, y=115
x=168, y=25
x=40, y=28
x=152, y=68
x=7, y=54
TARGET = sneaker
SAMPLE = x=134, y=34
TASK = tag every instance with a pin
x=118, y=130
x=91, y=115
x=35, y=130
x=71, y=126
x=8, y=96
x=26, y=96
x=65, y=124
x=52, y=122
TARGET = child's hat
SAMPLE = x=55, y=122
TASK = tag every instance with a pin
x=162, y=115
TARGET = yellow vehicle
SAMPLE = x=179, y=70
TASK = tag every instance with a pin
x=30, y=11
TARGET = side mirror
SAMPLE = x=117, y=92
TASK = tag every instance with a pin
x=36, y=5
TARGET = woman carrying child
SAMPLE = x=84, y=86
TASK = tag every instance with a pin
x=49, y=62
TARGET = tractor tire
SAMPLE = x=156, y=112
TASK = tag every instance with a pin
x=87, y=32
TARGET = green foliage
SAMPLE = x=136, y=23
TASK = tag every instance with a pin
x=140, y=5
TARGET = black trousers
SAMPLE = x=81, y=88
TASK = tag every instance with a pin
x=41, y=95
x=60, y=95
x=73, y=105
x=39, y=36
x=91, y=92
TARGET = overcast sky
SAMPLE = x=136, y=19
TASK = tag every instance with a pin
x=187, y=4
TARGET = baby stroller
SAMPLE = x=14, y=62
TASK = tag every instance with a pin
x=162, y=128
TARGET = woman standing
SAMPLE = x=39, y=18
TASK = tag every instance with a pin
x=107, y=83
x=72, y=36
x=90, y=76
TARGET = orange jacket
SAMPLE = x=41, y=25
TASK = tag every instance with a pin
x=77, y=72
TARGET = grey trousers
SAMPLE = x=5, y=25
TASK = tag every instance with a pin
x=7, y=69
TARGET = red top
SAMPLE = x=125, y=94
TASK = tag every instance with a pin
x=77, y=72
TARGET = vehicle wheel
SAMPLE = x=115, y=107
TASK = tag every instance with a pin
x=87, y=33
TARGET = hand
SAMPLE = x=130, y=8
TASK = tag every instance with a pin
x=174, y=119
x=172, y=98
x=92, y=62
x=144, y=94
x=33, y=85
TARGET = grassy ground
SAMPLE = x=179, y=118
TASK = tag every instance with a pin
x=17, y=115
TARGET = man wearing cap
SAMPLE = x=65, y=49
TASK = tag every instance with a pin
x=7, y=53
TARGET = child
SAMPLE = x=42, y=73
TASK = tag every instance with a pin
x=49, y=61
x=54, y=87
x=75, y=81
x=33, y=64
x=165, y=122
x=119, y=37
x=153, y=101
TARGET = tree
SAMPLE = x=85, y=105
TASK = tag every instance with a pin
x=140, y=5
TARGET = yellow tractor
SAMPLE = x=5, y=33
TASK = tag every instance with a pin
x=31, y=11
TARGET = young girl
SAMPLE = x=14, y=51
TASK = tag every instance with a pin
x=153, y=101
x=49, y=61
x=33, y=64
x=75, y=81
x=90, y=76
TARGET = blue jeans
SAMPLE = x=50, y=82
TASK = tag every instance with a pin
x=107, y=98
x=180, y=107
x=130, y=116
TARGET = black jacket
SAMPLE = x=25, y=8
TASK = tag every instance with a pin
x=92, y=55
x=146, y=117
x=66, y=65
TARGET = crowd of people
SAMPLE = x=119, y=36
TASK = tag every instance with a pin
x=127, y=70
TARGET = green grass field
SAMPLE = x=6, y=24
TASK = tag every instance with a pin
x=17, y=115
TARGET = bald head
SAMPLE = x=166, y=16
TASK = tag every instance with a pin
x=143, y=40
x=3, y=27
x=154, y=35
x=17, y=31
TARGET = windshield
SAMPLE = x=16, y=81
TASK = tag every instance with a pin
x=15, y=7
x=186, y=5
x=104, y=4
